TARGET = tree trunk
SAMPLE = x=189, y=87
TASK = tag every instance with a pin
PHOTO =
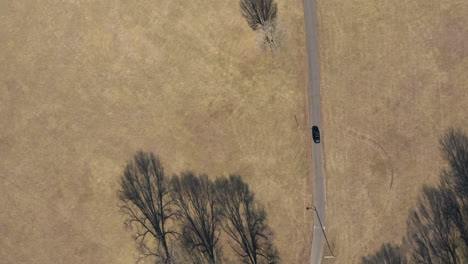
x=166, y=251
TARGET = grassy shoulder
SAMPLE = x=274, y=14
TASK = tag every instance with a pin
x=392, y=82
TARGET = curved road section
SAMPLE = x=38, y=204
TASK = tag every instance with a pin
x=315, y=116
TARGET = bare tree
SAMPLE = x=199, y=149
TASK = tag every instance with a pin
x=430, y=233
x=271, y=36
x=147, y=204
x=261, y=16
x=258, y=12
x=245, y=222
x=195, y=198
x=388, y=254
x=454, y=147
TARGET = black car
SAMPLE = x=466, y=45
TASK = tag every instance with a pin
x=316, y=134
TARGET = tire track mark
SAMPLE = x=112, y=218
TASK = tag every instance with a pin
x=376, y=145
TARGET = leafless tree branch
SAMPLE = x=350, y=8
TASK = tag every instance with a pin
x=245, y=222
x=145, y=200
x=195, y=198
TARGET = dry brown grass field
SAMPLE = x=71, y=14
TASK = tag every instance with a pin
x=394, y=78
x=85, y=84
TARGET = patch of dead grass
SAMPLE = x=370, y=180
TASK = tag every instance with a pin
x=85, y=84
x=393, y=80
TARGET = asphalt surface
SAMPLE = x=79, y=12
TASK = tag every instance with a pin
x=315, y=116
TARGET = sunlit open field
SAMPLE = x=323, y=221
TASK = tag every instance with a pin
x=394, y=78
x=85, y=84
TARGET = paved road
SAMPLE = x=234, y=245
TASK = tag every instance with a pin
x=315, y=116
